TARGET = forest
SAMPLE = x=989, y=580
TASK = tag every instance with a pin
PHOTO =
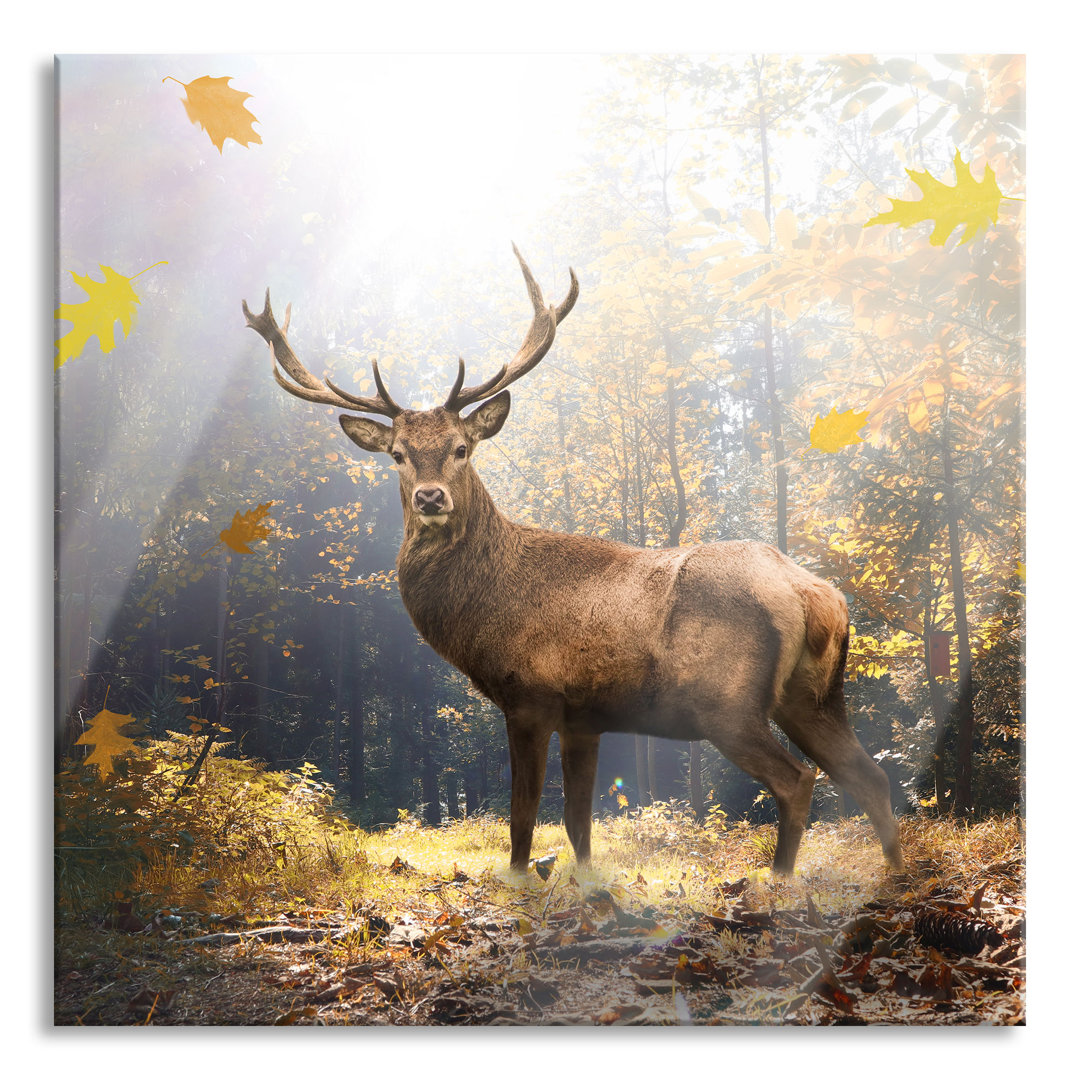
x=801, y=321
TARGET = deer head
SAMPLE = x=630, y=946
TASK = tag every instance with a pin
x=431, y=447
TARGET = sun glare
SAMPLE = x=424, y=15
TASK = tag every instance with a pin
x=455, y=151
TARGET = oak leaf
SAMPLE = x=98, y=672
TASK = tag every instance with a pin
x=836, y=430
x=971, y=203
x=245, y=529
x=111, y=300
x=219, y=110
x=103, y=733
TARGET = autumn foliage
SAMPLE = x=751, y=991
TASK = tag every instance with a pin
x=801, y=321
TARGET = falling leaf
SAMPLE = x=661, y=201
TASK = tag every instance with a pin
x=971, y=203
x=219, y=110
x=837, y=430
x=245, y=529
x=109, y=300
x=103, y=733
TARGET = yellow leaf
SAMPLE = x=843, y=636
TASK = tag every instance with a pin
x=917, y=414
x=103, y=733
x=973, y=204
x=729, y=268
x=219, y=110
x=753, y=221
x=837, y=429
x=934, y=392
x=109, y=300
x=786, y=229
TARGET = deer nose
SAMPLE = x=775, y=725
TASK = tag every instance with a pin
x=430, y=500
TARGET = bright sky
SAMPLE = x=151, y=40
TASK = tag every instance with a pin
x=462, y=149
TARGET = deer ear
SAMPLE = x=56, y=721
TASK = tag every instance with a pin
x=369, y=434
x=489, y=418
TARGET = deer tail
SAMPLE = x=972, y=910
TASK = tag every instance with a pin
x=826, y=629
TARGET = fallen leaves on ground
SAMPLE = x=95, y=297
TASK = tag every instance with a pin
x=929, y=950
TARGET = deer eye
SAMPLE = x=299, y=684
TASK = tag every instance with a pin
x=461, y=451
x=398, y=456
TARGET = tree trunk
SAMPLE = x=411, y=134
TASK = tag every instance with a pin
x=222, y=633
x=472, y=794
x=450, y=782
x=357, y=764
x=937, y=707
x=650, y=754
x=337, y=721
x=429, y=772
x=260, y=664
x=567, y=500
x=644, y=794
x=697, y=795
x=776, y=435
x=965, y=712
x=679, y=520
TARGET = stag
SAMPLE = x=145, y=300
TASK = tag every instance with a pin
x=580, y=636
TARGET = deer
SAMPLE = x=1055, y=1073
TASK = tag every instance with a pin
x=580, y=635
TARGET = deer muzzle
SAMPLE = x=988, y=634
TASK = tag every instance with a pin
x=432, y=504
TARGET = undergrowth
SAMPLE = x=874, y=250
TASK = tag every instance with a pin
x=245, y=841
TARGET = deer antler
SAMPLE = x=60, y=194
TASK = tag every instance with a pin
x=533, y=349
x=305, y=385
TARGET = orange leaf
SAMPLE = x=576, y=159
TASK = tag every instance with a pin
x=245, y=528
x=219, y=110
x=103, y=733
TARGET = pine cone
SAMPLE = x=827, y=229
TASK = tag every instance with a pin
x=951, y=930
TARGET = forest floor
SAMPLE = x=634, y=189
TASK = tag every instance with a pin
x=660, y=931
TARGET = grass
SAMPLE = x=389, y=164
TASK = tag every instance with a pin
x=259, y=852
x=288, y=849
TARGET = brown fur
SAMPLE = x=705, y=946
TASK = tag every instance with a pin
x=576, y=635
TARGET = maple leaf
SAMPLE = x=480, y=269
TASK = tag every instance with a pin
x=244, y=529
x=219, y=110
x=103, y=733
x=109, y=300
x=835, y=430
x=971, y=203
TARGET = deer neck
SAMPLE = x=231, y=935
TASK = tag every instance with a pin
x=450, y=575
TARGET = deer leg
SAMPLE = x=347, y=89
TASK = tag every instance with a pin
x=579, y=777
x=791, y=783
x=823, y=733
x=528, y=763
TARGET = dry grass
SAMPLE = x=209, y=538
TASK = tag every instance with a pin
x=668, y=857
x=659, y=866
x=662, y=854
